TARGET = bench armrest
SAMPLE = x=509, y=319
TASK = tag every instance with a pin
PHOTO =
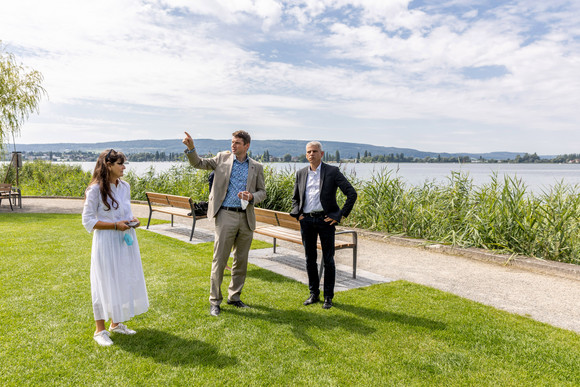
x=354, y=235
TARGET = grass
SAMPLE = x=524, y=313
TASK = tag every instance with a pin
x=395, y=333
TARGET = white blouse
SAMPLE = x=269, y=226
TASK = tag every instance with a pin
x=95, y=210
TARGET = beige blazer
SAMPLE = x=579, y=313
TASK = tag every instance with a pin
x=222, y=167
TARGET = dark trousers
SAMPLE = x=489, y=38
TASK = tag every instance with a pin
x=311, y=229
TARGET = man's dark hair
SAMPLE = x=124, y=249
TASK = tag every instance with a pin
x=245, y=136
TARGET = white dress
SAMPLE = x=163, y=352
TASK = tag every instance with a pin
x=117, y=282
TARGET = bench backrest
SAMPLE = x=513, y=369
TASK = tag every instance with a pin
x=5, y=188
x=266, y=216
x=288, y=221
x=169, y=200
x=276, y=218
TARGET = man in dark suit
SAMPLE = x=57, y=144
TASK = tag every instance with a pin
x=238, y=184
x=314, y=205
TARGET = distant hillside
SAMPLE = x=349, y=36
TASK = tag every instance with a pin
x=277, y=148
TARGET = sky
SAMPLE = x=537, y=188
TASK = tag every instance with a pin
x=433, y=75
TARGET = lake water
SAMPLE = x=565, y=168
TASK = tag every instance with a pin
x=537, y=177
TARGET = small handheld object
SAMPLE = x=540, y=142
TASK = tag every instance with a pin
x=132, y=224
x=244, y=200
x=128, y=239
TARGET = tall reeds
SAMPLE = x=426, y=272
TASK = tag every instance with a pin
x=502, y=215
x=48, y=179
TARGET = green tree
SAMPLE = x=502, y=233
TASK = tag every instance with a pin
x=337, y=156
x=20, y=94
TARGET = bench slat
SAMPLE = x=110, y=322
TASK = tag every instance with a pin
x=180, y=202
x=173, y=210
x=157, y=198
x=266, y=219
x=290, y=223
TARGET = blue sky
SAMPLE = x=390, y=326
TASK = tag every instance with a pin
x=441, y=76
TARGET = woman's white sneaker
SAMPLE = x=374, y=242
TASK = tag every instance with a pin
x=122, y=329
x=103, y=339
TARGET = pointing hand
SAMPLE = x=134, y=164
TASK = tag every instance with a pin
x=188, y=141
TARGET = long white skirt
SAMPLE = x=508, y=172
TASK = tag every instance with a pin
x=117, y=281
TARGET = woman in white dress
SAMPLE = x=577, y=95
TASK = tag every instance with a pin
x=117, y=282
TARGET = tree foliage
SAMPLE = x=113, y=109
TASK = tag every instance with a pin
x=20, y=94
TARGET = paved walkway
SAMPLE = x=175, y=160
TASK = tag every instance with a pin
x=545, y=291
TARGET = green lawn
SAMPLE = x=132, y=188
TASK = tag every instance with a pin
x=396, y=333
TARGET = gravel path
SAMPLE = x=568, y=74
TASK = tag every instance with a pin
x=545, y=291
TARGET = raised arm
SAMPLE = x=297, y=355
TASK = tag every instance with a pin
x=194, y=159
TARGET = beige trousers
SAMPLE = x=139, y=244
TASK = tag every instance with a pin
x=231, y=231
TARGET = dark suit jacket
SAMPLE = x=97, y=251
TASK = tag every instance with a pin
x=330, y=180
x=222, y=166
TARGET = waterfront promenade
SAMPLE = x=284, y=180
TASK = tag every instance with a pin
x=545, y=291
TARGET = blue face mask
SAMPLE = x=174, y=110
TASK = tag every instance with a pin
x=128, y=239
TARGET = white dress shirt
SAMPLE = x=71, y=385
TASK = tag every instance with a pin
x=312, y=193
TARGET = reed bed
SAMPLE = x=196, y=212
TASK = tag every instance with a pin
x=502, y=215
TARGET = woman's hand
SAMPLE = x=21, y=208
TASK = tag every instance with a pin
x=122, y=225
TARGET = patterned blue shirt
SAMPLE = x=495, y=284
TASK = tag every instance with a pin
x=238, y=183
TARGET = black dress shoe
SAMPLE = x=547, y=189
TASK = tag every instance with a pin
x=327, y=303
x=214, y=310
x=311, y=300
x=237, y=304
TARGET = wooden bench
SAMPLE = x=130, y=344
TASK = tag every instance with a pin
x=173, y=205
x=280, y=225
x=6, y=192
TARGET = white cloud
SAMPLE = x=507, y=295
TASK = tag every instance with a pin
x=233, y=11
x=300, y=63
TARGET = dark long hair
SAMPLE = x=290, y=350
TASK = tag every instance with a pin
x=101, y=175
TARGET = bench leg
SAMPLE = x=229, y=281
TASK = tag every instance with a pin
x=274, y=245
x=10, y=201
x=192, y=228
x=171, y=220
x=354, y=256
x=149, y=220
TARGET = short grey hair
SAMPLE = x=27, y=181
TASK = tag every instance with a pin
x=315, y=143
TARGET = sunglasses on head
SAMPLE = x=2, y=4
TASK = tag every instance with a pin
x=108, y=156
x=121, y=160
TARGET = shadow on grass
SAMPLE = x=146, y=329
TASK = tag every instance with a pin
x=391, y=316
x=301, y=321
x=269, y=276
x=164, y=347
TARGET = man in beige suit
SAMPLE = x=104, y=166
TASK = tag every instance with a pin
x=238, y=184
